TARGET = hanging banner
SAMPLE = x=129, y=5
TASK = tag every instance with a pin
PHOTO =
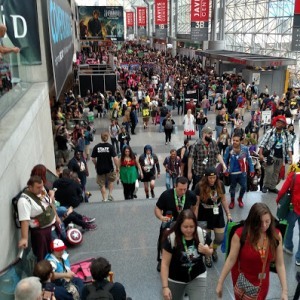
x=101, y=22
x=129, y=22
x=141, y=21
x=161, y=18
x=61, y=43
x=295, y=45
x=21, y=20
x=199, y=20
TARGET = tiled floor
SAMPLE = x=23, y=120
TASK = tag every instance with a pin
x=128, y=230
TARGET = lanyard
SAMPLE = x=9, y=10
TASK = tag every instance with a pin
x=205, y=149
x=179, y=204
x=187, y=254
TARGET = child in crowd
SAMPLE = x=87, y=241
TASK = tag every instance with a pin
x=62, y=274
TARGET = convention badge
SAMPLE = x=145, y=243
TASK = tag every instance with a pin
x=216, y=209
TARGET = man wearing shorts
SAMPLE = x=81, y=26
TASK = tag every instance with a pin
x=103, y=156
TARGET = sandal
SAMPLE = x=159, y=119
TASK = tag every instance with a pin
x=208, y=261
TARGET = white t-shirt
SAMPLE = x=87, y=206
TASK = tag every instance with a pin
x=28, y=210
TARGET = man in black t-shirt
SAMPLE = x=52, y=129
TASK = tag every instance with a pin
x=103, y=156
x=168, y=206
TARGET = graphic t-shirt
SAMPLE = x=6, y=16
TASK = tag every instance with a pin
x=183, y=260
x=104, y=152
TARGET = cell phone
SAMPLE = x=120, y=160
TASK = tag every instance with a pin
x=47, y=295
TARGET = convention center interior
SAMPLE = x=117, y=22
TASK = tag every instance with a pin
x=150, y=149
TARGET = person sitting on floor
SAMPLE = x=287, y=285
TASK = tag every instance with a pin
x=63, y=276
x=100, y=268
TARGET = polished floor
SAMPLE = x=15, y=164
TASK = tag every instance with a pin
x=128, y=230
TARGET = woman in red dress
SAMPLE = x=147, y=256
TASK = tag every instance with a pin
x=258, y=240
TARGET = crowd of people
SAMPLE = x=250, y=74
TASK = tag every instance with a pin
x=151, y=93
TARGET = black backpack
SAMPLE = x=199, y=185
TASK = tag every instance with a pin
x=99, y=293
x=14, y=203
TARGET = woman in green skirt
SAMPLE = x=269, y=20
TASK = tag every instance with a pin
x=129, y=171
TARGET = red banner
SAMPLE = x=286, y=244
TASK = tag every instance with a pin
x=161, y=12
x=141, y=16
x=199, y=10
x=297, y=7
x=129, y=19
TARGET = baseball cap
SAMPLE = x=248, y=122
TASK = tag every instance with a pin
x=211, y=171
x=281, y=119
x=58, y=245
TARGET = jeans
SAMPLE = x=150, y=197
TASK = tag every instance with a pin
x=115, y=144
x=292, y=218
x=170, y=181
x=200, y=127
x=160, y=123
x=240, y=178
x=218, y=131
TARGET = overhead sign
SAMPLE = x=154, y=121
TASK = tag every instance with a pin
x=129, y=22
x=141, y=21
x=199, y=20
x=161, y=19
x=101, y=22
x=21, y=20
x=62, y=47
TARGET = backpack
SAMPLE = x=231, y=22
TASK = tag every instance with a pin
x=201, y=236
x=14, y=203
x=248, y=127
x=169, y=124
x=99, y=293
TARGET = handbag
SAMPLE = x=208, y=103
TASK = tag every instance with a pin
x=283, y=206
x=244, y=289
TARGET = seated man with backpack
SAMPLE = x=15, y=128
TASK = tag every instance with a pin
x=101, y=288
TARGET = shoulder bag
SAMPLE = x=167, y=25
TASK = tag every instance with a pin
x=283, y=207
x=244, y=289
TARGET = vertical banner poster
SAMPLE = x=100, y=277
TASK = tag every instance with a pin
x=199, y=20
x=101, y=22
x=129, y=22
x=21, y=20
x=161, y=18
x=295, y=46
x=61, y=44
x=142, y=21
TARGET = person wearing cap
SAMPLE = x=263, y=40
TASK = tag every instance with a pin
x=237, y=158
x=211, y=201
x=276, y=148
x=205, y=153
x=62, y=274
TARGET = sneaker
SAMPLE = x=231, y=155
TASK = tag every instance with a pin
x=215, y=255
x=286, y=250
x=152, y=194
x=208, y=261
x=147, y=196
x=275, y=191
x=110, y=198
x=297, y=262
x=105, y=200
x=264, y=189
x=87, y=219
x=90, y=227
x=134, y=196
